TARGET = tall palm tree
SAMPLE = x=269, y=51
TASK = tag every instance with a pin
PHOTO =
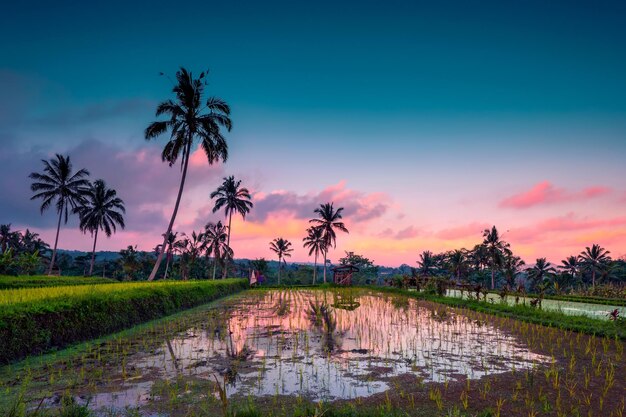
x=541, y=271
x=495, y=250
x=189, y=119
x=315, y=242
x=58, y=184
x=282, y=247
x=234, y=199
x=102, y=210
x=328, y=221
x=596, y=260
x=216, y=235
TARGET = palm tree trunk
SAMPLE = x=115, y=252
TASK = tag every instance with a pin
x=93, y=253
x=56, y=241
x=230, y=219
x=315, y=268
x=593, y=278
x=214, y=265
x=167, y=265
x=324, y=267
x=279, y=270
x=169, y=228
x=493, y=280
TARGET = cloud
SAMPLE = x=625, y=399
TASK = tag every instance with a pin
x=546, y=193
x=359, y=207
x=407, y=233
x=468, y=230
x=147, y=185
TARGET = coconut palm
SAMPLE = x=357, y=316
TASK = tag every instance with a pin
x=596, y=260
x=457, y=262
x=58, y=184
x=282, y=248
x=495, y=250
x=541, y=271
x=316, y=244
x=171, y=243
x=426, y=264
x=511, y=267
x=190, y=247
x=216, y=235
x=190, y=118
x=233, y=198
x=102, y=210
x=570, y=266
x=328, y=221
x=8, y=238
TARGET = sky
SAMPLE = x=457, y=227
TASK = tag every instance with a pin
x=426, y=121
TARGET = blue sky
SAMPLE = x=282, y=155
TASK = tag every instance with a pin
x=451, y=100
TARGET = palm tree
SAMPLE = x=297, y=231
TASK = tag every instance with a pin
x=458, y=263
x=328, y=221
x=215, y=235
x=59, y=185
x=189, y=119
x=570, y=266
x=171, y=242
x=512, y=266
x=541, y=271
x=102, y=210
x=495, y=249
x=282, y=247
x=8, y=238
x=234, y=199
x=426, y=264
x=315, y=242
x=190, y=248
x=595, y=259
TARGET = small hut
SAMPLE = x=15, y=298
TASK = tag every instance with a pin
x=342, y=274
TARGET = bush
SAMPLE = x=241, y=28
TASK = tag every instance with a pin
x=40, y=325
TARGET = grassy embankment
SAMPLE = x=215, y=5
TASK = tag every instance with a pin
x=33, y=281
x=36, y=320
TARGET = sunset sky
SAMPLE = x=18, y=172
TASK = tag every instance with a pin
x=426, y=121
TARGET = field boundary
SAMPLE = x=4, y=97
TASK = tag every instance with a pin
x=58, y=323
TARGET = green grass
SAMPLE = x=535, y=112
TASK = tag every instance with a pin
x=28, y=281
x=583, y=324
x=36, y=320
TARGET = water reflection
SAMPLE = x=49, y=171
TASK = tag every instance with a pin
x=305, y=343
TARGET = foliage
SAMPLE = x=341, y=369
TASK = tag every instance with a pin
x=33, y=321
x=367, y=270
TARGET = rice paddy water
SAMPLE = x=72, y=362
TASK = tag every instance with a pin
x=320, y=345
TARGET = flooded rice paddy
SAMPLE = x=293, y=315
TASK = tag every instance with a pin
x=572, y=308
x=318, y=345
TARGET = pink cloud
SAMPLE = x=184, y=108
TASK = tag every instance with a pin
x=358, y=206
x=407, y=233
x=468, y=230
x=546, y=193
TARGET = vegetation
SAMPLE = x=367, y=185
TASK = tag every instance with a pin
x=37, y=320
x=328, y=222
x=282, y=248
x=187, y=123
x=60, y=186
x=102, y=210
